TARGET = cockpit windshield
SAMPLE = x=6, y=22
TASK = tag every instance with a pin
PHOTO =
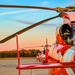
x=68, y=34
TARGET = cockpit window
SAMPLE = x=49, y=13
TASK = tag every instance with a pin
x=65, y=29
x=65, y=33
x=68, y=33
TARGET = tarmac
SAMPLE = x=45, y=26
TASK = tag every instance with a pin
x=8, y=67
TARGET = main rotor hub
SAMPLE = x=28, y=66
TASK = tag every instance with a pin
x=67, y=9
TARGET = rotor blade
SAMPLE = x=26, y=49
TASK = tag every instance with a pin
x=47, y=45
x=27, y=28
x=39, y=46
x=58, y=9
x=34, y=46
x=29, y=22
x=33, y=7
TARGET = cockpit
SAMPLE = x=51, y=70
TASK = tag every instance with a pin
x=68, y=33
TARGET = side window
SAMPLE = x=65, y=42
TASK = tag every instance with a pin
x=65, y=32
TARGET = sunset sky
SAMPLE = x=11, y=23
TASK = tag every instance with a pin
x=15, y=19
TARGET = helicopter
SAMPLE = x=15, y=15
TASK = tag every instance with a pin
x=61, y=56
x=42, y=54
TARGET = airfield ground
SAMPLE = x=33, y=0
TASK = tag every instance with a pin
x=8, y=67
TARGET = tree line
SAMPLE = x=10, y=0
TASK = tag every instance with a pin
x=23, y=53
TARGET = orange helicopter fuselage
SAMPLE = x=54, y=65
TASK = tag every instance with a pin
x=63, y=50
